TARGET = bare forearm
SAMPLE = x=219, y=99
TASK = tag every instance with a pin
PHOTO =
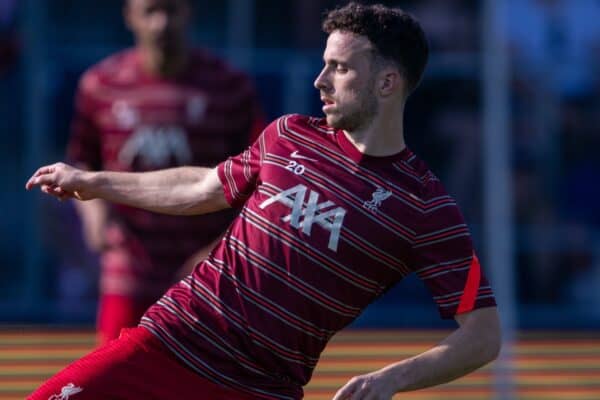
x=475, y=343
x=459, y=354
x=177, y=191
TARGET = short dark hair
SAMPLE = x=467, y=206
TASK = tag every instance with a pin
x=395, y=34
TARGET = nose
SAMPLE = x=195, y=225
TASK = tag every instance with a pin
x=321, y=82
x=159, y=20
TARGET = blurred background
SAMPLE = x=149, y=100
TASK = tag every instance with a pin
x=508, y=116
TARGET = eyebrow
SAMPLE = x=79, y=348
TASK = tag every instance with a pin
x=333, y=59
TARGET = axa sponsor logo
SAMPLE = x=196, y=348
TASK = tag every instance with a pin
x=66, y=392
x=306, y=211
x=157, y=146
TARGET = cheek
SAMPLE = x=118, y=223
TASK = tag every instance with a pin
x=352, y=96
x=348, y=90
x=352, y=87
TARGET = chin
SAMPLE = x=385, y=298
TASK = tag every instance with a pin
x=340, y=123
x=333, y=121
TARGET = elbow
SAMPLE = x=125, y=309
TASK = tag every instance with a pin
x=487, y=351
x=481, y=328
x=492, y=345
x=486, y=326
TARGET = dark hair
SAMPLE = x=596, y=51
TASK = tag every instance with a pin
x=395, y=35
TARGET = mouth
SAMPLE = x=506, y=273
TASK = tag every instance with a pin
x=327, y=101
x=328, y=104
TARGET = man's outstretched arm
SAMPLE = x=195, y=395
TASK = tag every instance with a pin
x=475, y=343
x=176, y=191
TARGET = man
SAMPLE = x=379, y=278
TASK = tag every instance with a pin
x=157, y=105
x=334, y=212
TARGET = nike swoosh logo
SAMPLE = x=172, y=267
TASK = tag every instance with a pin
x=295, y=154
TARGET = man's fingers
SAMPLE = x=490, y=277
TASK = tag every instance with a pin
x=43, y=171
x=51, y=190
x=46, y=179
x=63, y=194
x=30, y=183
x=47, y=186
x=345, y=392
x=46, y=169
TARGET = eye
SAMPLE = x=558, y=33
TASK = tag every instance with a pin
x=150, y=9
x=342, y=69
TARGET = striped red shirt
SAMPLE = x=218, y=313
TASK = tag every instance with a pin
x=128, y=120
x=324, y=231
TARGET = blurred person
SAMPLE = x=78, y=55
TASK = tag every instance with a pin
x=159, y=104
x=335, y=211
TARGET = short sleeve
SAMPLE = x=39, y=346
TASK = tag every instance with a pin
x=84, y=146
x=239, y=174
x=444, y=259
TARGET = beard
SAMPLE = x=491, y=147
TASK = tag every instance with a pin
x=357, y=116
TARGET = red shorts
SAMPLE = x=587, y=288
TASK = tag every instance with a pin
x=134, y=366
x=116, y=312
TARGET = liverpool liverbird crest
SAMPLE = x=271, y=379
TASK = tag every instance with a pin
x=379, y=195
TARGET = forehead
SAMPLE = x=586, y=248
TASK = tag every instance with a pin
x=346, y=45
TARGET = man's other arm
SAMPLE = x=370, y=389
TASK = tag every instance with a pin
x=175, y=191
x=476, y=342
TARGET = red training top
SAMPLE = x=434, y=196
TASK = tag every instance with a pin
x=323, y=232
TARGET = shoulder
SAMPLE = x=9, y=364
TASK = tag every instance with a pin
x=204, y=61
x=218, y=76
x=112, y=69
x=287, y=125
x=304, y=124
x=112, y=65
x=427, y=184
x=438, y=208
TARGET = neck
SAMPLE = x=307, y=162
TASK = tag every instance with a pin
x=384, y=136
x=163, y=63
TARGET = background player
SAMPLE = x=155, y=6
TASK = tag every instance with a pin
x=335, y=212
x=160, y=104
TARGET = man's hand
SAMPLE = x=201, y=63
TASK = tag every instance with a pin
x=374, y=386
x=61, y=181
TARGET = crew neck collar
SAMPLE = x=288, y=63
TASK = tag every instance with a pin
x=361, y=158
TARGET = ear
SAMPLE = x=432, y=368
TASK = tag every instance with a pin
x=390, y=82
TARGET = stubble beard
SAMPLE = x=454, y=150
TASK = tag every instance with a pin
x=360, y=116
